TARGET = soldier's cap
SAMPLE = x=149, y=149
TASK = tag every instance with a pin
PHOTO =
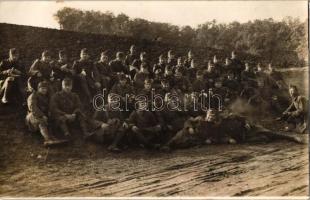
x=148, y=80
x=120, y=54
x=13, y=51
x=62, y=52
x=46, y=53
x=164, y=80
x=199, y=72
x=43, y=84
x=84, y=50
x=67, y=81
x=104, y=53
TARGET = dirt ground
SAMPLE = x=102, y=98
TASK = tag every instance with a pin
x=279, y=168
x=84, y=169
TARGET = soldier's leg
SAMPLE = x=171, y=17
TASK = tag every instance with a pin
x=62, y=124
x=85, y=88
x=82, y=121
x=139, y=136
x=6, y=87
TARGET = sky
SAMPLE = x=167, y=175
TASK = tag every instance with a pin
x=193, y=13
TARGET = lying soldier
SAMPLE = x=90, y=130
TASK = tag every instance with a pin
x=37, y=118
x=109, y=126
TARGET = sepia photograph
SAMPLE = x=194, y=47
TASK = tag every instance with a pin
x=154, y=99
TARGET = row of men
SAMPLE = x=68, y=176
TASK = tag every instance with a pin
x=118, y=80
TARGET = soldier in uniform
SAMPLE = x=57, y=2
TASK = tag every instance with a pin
x=180, y=67
x=37, y=118
x=180, y=82
x=133, y=55
x=211, y=75
x=86, y=75
x=141, y=76
x=296, y=114
x=160, y=65
x=104, y=70
x=142, y=61
x=118, y=64
x=200, y=84
x=111, y=125
x=236, y=65
x=144, y=126
x=41, y=70
x=189, y=59
x=61, y=70
x=12, y=75
x=66, y=108
x=125, y=91
x=171, y=60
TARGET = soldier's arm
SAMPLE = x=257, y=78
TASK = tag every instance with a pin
x=301, y=106
x=289, y=108
x=33, y=71
x=32, y=103
x=54, y=108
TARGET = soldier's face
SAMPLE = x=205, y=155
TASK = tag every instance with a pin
x=123, y=82
x=46, y=58
x=133, y=50
x=161, y=60
x=178, y=75
x=142, y=105
x=218, y=84
x=67, y=87
x=84, y=56
x=147, y=86
x=211, y=118
x=43, y=90
x=104, y=58
x=293, y=92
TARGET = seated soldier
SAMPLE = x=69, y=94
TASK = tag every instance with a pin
x=180, y=67
x=37, y=118
x=144, y=126
x=111, y=125
x=41, y=70
x=171, y=118
x=12, y=75
x=125, y=91
x=160, y=65
x=141, y=76
x=189, y=59
x=66, y=108
x=118, y=64
x=210, y=75
x=147, y=90
x=86, y=76
x=296, y=114
x=142, y=61
x=199, y=84
x=180, y=82
x=61, y=70
x=104, y=71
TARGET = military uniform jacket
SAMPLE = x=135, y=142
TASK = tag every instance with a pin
x=8, y=64
x=89, y=67
x=298, y=106
x=59, y=73
x=38, y=105
x=142, y=119
x=104, y=69
x=65, y=103
x=45, y=68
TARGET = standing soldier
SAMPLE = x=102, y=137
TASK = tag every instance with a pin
x=86, y=75
x=200, y=83
x=133, y=55
x=66, y=108
x=12, y=74
x=211, y=74
x=104, y=71
x=41, y=70
x=37, y=118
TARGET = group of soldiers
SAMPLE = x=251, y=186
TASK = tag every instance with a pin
x=60, y=93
